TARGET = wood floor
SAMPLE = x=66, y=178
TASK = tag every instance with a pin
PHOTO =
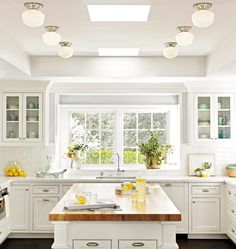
x=183, y=244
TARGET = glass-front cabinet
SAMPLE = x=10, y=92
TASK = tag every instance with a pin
x=213, y=117
x=22, y=117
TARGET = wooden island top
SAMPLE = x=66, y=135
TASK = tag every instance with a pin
x=158, y=207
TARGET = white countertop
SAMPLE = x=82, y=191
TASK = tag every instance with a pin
x=93, y=179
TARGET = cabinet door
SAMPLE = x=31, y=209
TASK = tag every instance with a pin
x=223, y=117
x=204, y=117
x=20, y=208
x=178, y=193
x=32, y=117
x=205, y=215
x=42, y=208
x=12, y=117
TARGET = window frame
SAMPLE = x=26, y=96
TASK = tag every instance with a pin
x=64, y=112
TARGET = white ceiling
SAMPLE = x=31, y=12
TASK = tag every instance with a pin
x=72, y=17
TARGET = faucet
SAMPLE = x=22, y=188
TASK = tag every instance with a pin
x=117, y=155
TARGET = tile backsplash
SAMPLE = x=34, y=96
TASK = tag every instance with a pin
x=34, y=158
x=31, y=159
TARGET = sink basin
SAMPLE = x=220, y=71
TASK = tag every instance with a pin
x=116, y=177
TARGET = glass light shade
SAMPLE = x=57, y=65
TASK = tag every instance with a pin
x=65, y=52
x=170, y=51
x=33, y=18
x=51, y=38
x=203, y=18
x=184, y=39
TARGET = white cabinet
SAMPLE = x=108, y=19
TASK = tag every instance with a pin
x=205, y=208
x=20, y=208
x=213, y=117
x=42, y=207
x=231, y=212
x=205, y=215
x=145, y=244
x=22, y=117
x=98, y=244
x=178, y=193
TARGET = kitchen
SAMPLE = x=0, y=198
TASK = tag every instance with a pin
x=108, y=96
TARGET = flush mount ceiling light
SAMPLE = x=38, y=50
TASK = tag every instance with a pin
x=65, y=50
x=184, y=38
x=170, y=50
x=203, y=17
x=118, y=51
x=32, y=16
x=118, y=13
x=51, y=37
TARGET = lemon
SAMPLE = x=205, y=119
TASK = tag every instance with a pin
x=81, y=199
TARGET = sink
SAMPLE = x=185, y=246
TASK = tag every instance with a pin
x=116, y=177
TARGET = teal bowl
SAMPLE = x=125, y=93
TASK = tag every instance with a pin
x=231, y=166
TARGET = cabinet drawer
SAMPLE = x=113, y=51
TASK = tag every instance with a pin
x=147, y=244
x=231, y=231
x=46, y=189
x=231, y=210
x=231, y=193
x=82, y=244
x=65, y=188
x=205, y=190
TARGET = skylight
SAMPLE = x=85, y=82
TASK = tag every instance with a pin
x=118, y=13
x=118, y=51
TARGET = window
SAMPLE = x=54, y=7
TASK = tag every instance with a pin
x=135, y=131
x=115, y=129
x=96, y=129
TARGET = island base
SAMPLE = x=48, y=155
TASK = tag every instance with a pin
x=114, y=235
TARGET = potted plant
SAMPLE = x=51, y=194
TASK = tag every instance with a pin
x=207, y=168
x=74, y=150
x=154, y=152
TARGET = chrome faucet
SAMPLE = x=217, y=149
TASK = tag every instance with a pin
x=117, y=155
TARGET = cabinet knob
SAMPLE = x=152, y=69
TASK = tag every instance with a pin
x=232, y=230
x=193, y=201
x=138, y=244
x=26, y=189
x=92, y=244
x=232, y=210
x=229, y=192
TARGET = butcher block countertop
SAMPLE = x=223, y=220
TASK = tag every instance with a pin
x=158, y=207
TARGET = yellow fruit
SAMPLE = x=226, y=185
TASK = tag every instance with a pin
x=24, y=174
x=81, y=199
x=10, y=174
x=125, y=187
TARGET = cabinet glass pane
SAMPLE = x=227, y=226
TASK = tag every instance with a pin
x=32, y=117
x=224, y=117
x=204, y=117
x=12, y=117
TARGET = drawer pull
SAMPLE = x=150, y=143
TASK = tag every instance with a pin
x=137, y=244
x=232, y=210
x=229, y=192
x=205, y=190
x=46, y=190
x=92, y=244
x=232, y=230
x=46, y=200
x=167, y=185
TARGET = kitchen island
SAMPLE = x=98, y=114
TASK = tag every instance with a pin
x=149, y=225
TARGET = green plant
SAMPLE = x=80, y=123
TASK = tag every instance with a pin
x=154, y=152
x=77, y=147
x=206, y=165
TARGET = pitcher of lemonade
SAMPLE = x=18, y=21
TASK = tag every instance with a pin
x=141, y=188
